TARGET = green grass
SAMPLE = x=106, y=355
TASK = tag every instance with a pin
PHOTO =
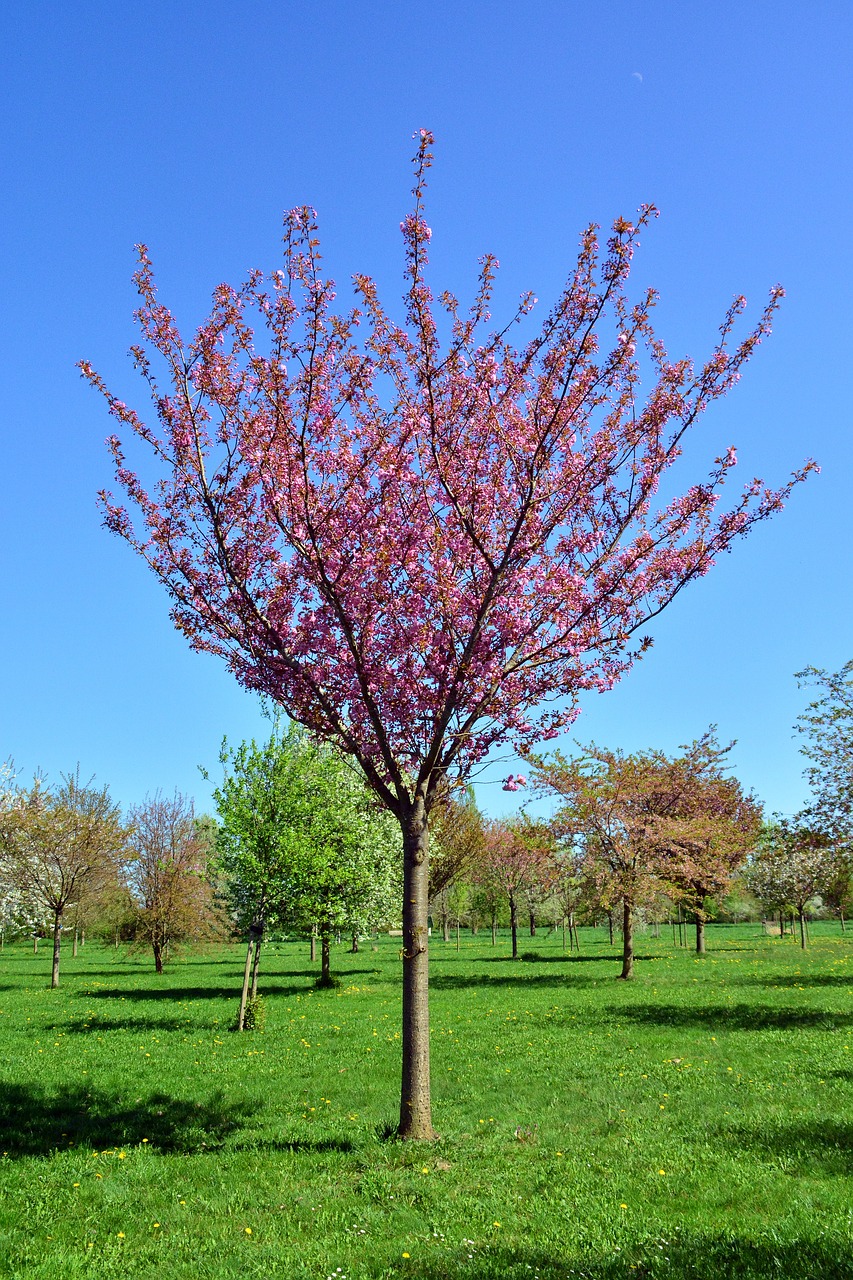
x=695, y=1122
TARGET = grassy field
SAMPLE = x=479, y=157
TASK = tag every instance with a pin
x=696, y=1122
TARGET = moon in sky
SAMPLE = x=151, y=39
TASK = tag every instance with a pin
x=637, y=76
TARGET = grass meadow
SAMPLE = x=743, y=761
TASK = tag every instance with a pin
x=695, y=1122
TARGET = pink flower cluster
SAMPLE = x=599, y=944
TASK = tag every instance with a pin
x=419, y=548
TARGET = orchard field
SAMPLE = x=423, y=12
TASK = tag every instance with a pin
x=694, y=1122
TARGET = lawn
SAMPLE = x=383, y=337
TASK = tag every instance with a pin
x=695, y=1122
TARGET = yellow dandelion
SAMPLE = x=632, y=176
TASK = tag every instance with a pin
x=662, y=1171
x=121, y=1235
x=407, y=1255
x=248, y=1230
x=75, y=1184
x=623, y=1206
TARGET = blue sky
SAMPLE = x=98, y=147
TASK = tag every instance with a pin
x=191, y=126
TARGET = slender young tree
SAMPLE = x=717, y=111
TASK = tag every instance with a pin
x=422, y=548
x=457, y=843
x=261, y=803
x=515, y=856
x=168, y=870
x=60, y=845
x=793, y=864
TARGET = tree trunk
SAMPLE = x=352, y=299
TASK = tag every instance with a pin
x=35, y=944
x=244, y=994
x=57, y=934
x=415, y=1102
x=457, y=935
x=494, y=929
x=513, y=924
x=74, y=947
x=259, y=937
x=533, y=924
x=841, y=918
x=82, y=937
x=610, y=925
x=627, y=941
x=573, y=929
x=802, y=916
x=700, y=929
x=325, y=958
x=157, y=948
x=445, y=927
x=313, y=943
x=564, y=933
x=354, y=947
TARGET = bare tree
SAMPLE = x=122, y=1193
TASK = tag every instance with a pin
x=169, y=876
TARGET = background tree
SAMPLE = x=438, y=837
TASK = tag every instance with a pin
x=423, y=551
x=826, y=727
x=568, y=885
x=261, y=804
x=457, y=843
x=626, y=811
x=344, y=875
x=304, y=840
x=709, y=828
x=793, y=864
x=515, y=856
x=60, y=845
x=838, y=888
x=168, y=870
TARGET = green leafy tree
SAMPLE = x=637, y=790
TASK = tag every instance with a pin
x=347, y=872
x=303, y=840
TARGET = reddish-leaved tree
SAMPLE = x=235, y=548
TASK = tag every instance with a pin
x=419, y=539
x=647, y=824
x=516, y=855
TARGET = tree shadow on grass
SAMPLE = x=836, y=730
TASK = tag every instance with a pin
x=795, y=980
x=518, y=978
x=737, y=1017
x=34, y=1122
x=141, y=1026
x=611, y=957
x=825, y=1146
x=690, y=1256
x=164, y=993
x=296, y=1145
x=271, y=987
x=194, y=993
